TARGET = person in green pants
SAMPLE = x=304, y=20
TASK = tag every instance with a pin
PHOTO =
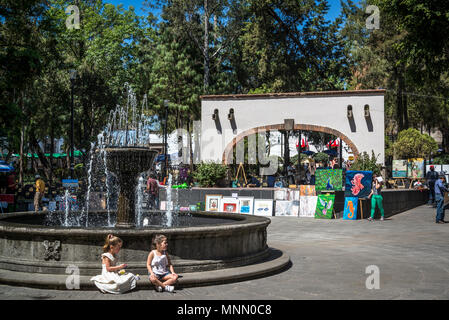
x=376, y=198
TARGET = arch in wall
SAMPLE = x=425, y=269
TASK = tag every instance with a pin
x=227, y=154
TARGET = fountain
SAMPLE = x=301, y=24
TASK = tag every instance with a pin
x=34, y=245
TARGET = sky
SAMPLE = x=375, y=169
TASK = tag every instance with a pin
x=334, y=10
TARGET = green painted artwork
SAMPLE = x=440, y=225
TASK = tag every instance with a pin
x=329, y=179
x=324, y=206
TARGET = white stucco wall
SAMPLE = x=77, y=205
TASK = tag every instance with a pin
x=326, y=110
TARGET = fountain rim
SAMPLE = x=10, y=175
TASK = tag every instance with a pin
x=242, y=222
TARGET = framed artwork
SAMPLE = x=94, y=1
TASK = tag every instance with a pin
x=350, y=211
x=280, y=194
x=285, y=208
x=307, y=190
x=329, y=179
x=399, y=168
x=163, y=205
x=415, y=168
x=291, y=195
x=358, y=183
x=263, y=207
x=324, y=206
x=307, y=206
x=229, y=205
x=246, y=205
x=212, y=202
x=295, y=208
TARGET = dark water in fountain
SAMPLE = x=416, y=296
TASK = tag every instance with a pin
x=99, y=219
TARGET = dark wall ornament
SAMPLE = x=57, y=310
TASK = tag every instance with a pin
x=52, y=250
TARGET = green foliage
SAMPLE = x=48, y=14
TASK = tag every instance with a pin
x=208, y=173
x=442, y=159
x=321, y=157
x=366, y=163
x=412, y=144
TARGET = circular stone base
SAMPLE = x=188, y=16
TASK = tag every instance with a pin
x=276, y=261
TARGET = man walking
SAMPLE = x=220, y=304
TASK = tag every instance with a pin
x=40, y=190
x=440, y=189
x=431, y=178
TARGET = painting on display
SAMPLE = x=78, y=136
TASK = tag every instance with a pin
x=291, y=195
x=163, y=205
x=324, y=206
x=358, y=183
x=445, y=169
x=263, y=207
x=212, y=202
x=285, y=208
x=246, y=205
x=350, y=211
x=415, y=168
x=399, y=168
x=280, y=194
x=329, y=179
x=307, y=190
x=230, y=205
x=307, y=206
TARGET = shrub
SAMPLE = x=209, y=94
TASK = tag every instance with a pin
x=208, y=173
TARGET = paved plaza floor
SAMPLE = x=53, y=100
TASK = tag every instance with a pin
x=329, y=260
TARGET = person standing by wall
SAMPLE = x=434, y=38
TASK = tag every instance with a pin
x=40, y=190
x=431, y=178
x=440, y=189
x=153, y=192
x=376, y=198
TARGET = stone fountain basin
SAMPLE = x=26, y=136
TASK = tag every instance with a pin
x=34, y=248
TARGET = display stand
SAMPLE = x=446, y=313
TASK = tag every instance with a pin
x=243, y=172
x=399, y=183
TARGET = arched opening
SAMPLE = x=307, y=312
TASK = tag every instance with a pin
x=229, y=157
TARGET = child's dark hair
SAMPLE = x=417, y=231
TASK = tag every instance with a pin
x=157, y=239
x=111, y=240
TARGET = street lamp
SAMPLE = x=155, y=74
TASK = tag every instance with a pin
x=72, y=149
x=166, y=102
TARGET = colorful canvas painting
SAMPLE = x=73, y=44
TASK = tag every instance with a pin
x=399, y=168
x=246, y=205
x=415, y=168
x=307, y=206
x=329, y=179
x=212, y=202
x=358, y=183
x=263, y=207
x=307, y=190
x=284, y=208
x=324, y=206
x=350, y=211
x=230, y=205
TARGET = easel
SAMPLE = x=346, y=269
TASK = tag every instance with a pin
x=399, y=183
x=243, y=172
x=361, y=207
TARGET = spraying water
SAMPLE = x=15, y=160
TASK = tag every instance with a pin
x=169, y=203
x=139, y=202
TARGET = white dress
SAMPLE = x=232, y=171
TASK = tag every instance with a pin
x=113, y=282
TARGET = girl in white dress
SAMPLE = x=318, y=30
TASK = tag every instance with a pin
x=113, y=278
x=162, y=274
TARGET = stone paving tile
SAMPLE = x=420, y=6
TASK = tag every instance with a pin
x=329, y=258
